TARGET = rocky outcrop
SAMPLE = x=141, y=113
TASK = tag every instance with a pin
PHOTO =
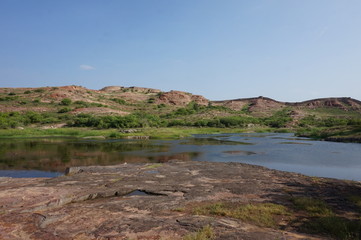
x=264, y=104
x=267, y=105
x=179, y=98
x=154, y=201
x=130, y=89
x=111, y=88
x=340, y=103
x=261, y=105
x=143, y=90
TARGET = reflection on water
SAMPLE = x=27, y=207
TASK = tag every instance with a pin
x=239, y=152
x=55, y=155
x=50, y=157
x=295, y=143
x=294, y=138
x=213, y=141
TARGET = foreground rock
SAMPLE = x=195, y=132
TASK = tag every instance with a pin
x=145, y=201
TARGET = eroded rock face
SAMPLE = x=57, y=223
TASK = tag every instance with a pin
x=130, y=89
x=142, y=201
x=179, y=98
x=340, y=103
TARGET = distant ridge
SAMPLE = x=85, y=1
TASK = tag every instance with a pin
x=124, y=100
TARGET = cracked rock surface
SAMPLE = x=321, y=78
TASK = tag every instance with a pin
x=142, y=201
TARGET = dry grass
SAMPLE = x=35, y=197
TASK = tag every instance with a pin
x=313, y=207
x=206, y=233
x=260, y=214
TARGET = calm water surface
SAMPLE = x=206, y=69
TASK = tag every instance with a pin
x=50, y=157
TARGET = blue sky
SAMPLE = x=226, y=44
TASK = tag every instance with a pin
x=222, y=49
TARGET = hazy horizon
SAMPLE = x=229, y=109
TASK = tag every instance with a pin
x=286, y=50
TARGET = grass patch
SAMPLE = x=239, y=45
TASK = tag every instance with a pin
x=321, y=219
x=313, y=207
x=117, y=179
x=181, y=132
x=356, y=200
x=179, y=209
x=55, y=132
x=206, y=233
x=337, y=227
x=154, y=133
x=329, y=132
x=260, y=214
x=156, y=165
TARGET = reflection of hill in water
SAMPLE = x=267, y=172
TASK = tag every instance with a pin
x=58, y=154
x=213, y=141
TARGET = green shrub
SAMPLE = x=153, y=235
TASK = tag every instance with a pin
x=119, y=101
x=66, y=102
x=314, y=207
x=337, y=227
x=206, y=233
x=279, y=119
x=151, y=100
x=15, y=119
x=64, y=110
x=39, y=90
x=129, y=121
x=162, y=105
x=9, y=98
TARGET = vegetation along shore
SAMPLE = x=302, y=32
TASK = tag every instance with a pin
x=79, y=112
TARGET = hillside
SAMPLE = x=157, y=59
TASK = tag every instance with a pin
x=125, y=100
x=132, y=107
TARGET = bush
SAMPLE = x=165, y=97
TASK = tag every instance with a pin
x=9, y=98
x=129, y=121
x=66, y=102
x=15, y=119
x=311, y=120
x=279, y=119
x=119, y=101
x=151, y=100
x=64, y=110
x=39, y=90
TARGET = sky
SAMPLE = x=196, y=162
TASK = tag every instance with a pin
x=287, y=50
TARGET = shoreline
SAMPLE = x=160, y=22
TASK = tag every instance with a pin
x=165, y=133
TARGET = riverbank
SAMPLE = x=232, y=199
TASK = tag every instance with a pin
x=335, y=134
x=154, y=133
x=179, y=200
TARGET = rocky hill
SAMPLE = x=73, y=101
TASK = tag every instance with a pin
x=266, y=104
x=118, y=100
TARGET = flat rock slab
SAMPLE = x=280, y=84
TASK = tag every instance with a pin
x=143, y=201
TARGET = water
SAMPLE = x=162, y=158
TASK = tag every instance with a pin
x=50, y=157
